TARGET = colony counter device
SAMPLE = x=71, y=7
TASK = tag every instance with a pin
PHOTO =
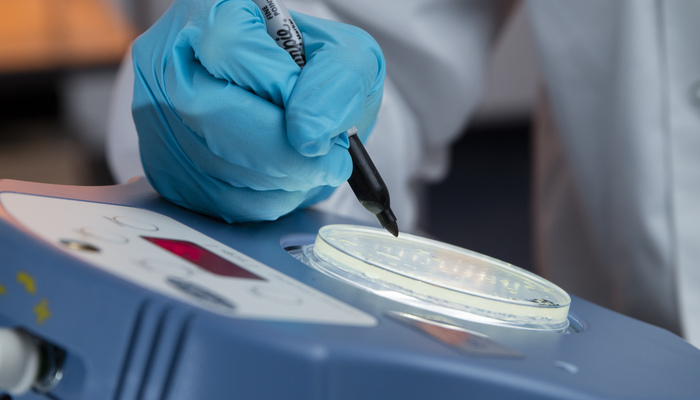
x=113, y=293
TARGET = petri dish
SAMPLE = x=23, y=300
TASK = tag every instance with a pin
x=439, y=277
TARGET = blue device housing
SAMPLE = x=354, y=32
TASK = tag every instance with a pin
x=125, y=342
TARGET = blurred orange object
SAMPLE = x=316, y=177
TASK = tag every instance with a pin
x=38, y=35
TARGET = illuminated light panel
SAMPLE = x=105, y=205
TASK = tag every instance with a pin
x=202, y=258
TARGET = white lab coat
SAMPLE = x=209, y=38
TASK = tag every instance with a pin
x=617, y=144
x=618, y=155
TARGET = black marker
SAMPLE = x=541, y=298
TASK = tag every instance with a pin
x=365, y=181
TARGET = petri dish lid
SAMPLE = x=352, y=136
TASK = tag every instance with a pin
x=438, y=277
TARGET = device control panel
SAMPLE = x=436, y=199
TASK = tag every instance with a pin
x=166, y=256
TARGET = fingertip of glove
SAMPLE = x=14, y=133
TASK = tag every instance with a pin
x=315, y=142
x=343, y=167
x=312, y=148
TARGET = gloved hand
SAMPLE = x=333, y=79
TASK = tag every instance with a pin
x=230, y=126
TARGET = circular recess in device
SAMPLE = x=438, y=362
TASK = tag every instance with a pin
x=439, y=277
x=75, y=244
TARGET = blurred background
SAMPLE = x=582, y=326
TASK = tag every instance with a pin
x=57, y=65
x=58, y=61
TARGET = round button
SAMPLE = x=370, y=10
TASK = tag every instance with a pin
x=135, y=223
x=276, y=296
x=165, y=267
x=201, y=294
x=103, y=236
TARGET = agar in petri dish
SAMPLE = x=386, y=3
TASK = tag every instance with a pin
x=438, y=277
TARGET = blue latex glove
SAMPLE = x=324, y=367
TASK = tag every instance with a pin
x=230, y=126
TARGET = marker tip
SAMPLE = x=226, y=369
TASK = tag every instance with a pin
x=393, y=228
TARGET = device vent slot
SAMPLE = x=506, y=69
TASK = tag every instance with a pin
x=152, y=356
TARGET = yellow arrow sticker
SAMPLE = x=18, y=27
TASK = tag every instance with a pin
x=28, y=282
